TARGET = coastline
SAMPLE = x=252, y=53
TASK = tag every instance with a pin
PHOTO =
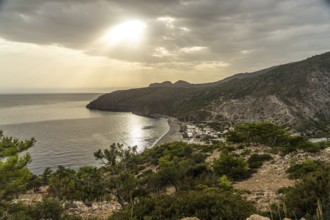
x=173, y=133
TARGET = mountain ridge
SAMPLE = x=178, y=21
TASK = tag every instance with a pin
x=294, y=94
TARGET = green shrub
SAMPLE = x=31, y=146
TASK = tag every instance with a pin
x=255, y=161
x=234, y=167
x=309, y=197
x=297, y=171
x=66, y=183
x=324, y=144
x=271, y=135
x=198, y=157
x=170, y=151
x=210, y=203
x=246, y=152
x=47, y=209
x=257, y=132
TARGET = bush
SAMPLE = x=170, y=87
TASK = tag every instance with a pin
x=271, y=135
x=234, y=167
x=170, y=151
x=47, y=209
x=297, y=171
x=255, y=161
x=210, y=203
x=66, y=183
x=324, y=144
x=309, y=197
x=257, y=132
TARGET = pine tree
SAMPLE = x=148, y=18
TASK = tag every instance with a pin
x=14, y=173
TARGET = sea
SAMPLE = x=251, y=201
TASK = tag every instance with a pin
x=67, y=133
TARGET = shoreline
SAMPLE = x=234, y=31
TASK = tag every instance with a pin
x=173, y=134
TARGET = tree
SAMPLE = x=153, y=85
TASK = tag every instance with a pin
x=118, y=164
x=272, y=135
x=14, y=173
x=69, y=184
x=62, y=183
x=258, y=132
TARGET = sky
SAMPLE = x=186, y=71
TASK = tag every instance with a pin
x=97, y=45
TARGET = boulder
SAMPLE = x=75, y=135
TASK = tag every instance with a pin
x=257, y=217
x=190, y=218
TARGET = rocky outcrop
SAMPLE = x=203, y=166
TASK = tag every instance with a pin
x=268, y=108
x=252, y=217
x=257, y=217
x=100, y=210
x=190, y=218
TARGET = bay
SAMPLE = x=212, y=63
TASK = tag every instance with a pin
x=67, y=133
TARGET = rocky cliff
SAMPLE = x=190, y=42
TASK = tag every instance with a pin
x=295, y=94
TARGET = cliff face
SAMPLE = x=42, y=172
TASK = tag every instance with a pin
x=295, y=94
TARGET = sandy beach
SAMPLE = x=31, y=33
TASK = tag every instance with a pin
x=173, y=134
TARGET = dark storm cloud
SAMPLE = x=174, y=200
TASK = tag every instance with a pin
x=254, y=33
x=70, y=22
x=46, y=22
x=1, y=4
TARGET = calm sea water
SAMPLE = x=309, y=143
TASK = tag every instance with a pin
x=67, y=133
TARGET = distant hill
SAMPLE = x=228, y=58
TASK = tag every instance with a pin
x=179, y=83
x=295, y=94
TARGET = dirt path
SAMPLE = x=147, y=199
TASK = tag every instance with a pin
x=264, y=184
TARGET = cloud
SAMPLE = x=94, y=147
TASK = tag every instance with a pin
x=161, y=52
x=211, y=65
x=192, y=49
x=245, y=34
x=168, y=21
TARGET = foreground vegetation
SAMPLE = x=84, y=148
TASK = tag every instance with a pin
x=171, y=181
x=309, y=197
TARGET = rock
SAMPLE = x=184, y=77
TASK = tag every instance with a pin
x=190, y=218
x=78, y=204
x=95, y=206
x=106, y=206
x=257, y=217
x=287, y=219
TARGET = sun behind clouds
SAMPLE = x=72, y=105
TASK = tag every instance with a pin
x=129, y=32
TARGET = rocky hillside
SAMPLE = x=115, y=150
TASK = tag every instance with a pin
x=295, y=94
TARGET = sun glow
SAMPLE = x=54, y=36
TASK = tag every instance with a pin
x=128, y=32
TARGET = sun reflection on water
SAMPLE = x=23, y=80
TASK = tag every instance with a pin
x=136, y=132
